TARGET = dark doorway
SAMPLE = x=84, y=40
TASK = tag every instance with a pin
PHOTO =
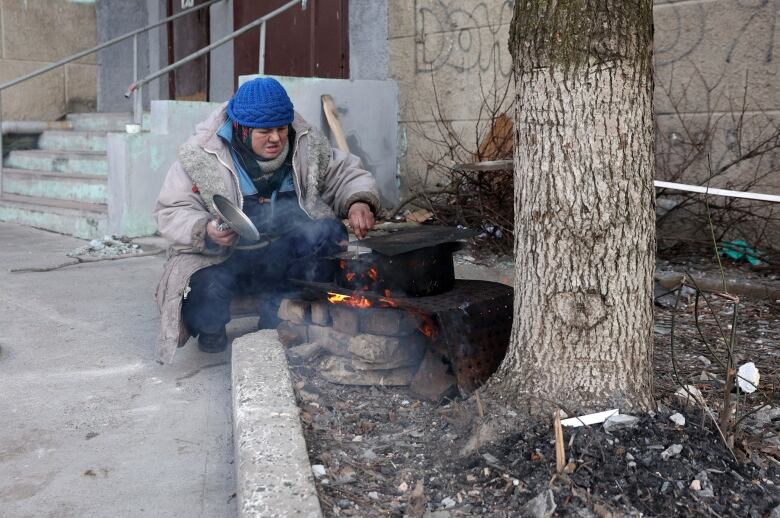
x=189, y=82
x=310, y=43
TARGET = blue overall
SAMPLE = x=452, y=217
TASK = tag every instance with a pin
x=300, y=251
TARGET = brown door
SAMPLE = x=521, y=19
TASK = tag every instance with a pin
x=310, y=43
x=189, y=82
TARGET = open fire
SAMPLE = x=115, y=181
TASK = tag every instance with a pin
x=403, y=296
x=427, y=324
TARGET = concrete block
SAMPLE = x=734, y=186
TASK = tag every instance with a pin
x=291, y=334
x=68, y=140
x=296, y=311
x=48, y=30
x=341, y=370
x=331, y=340
x=273, y=474
x=306, y=351
x=388, y=322
x=95, y=164
x=320, y=313
x=386, y=350
x=40, y=99
x=345, y=320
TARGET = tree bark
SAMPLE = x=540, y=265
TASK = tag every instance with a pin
x=584, y=207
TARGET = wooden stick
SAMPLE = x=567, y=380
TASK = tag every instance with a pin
x=83, y=260
x=560, y=452
x=329, y=107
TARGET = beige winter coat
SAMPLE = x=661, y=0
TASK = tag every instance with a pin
x=327, y=182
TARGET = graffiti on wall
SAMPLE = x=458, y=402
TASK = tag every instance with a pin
x=684, y=28
x=449, y=35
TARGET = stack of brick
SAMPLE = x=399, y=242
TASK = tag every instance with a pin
x=353, y=346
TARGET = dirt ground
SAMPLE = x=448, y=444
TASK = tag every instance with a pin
x=378, y=451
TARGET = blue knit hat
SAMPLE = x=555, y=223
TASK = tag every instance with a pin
x=261, y=103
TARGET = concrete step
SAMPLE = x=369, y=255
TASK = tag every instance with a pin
x=103, y=121
x=69, y=140
x=73, y=162
x=84, y=220
x=48, y=184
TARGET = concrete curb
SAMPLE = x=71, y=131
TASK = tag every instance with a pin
x=273, y=474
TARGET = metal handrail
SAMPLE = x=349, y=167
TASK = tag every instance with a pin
x=136, y=86
x=132, y=34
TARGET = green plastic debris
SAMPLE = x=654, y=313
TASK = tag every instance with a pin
x=740, y=251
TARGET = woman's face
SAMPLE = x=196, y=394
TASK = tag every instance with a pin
x=269, y=142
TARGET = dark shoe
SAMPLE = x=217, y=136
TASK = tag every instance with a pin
x=212, y=343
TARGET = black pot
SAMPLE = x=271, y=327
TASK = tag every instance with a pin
x=422, y=272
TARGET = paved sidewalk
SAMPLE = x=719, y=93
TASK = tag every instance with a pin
x=90, y=424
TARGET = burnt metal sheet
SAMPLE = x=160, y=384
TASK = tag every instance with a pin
x=407, y=240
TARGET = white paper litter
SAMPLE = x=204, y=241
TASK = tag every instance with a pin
x=690, y=394
x=598, y=417
x=747, y=377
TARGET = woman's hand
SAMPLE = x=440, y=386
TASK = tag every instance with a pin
x=224, y=237
x=361, y=219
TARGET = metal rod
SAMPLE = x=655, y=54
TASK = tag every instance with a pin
x=123, y=37
x=205, y=50
x=138, y=107
x=135, y=57
x=261, y=66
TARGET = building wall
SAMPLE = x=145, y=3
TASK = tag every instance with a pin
x=36, y=33
x=717, y=77
x=448, y=55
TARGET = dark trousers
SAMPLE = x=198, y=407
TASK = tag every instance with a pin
x=299, y=254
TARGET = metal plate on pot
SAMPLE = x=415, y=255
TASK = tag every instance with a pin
x=424, y=236
x=235, y=218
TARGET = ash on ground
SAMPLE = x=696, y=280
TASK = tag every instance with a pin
x=379, y=451
x=109, y=246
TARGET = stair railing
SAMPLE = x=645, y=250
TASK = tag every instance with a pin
x=136, y=87
x=132, y=34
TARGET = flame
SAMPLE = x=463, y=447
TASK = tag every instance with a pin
x=350, y=276
x=355, y=302
x=428, y=328
x=373, y=274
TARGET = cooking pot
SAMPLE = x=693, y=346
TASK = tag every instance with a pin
x=417, y=273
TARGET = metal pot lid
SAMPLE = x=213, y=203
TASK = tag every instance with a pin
x=235, y=218
x=424, y=236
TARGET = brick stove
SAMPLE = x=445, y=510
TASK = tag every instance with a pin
x=396, y=315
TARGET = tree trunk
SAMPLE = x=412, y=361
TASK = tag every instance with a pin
x=584, y=206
